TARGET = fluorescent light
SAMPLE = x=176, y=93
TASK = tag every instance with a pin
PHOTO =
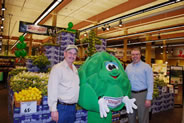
x=24, y=34
x=47, y=12
x=42, y=17
x=18, y=41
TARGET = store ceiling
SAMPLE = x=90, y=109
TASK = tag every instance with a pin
x=87, y=13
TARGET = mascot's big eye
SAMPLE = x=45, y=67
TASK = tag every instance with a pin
x=111, y=65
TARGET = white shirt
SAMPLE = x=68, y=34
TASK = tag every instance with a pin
x=63, y=85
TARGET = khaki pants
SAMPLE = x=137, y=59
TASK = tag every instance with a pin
x=143, y=112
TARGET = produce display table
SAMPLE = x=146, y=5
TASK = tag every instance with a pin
x=43, y=115
x=164, y=101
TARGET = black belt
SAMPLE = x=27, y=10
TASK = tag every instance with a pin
x=139, y=91
x=58, y=102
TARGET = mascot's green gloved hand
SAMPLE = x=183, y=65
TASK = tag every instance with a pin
x=104, y=87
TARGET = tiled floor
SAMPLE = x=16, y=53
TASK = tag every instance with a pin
x=171, y=116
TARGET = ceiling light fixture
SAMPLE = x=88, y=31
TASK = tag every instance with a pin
x=108, y=27
x=3, y=7
x=120, y=23
x=103, y=28
x=150, y=41
x=172, y=51
x=85, y=34
x=133, y=14
x=159, y=37
x=48, y=10
x=152, y=31
x=2, y=18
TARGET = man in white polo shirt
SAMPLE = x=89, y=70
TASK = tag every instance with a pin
x=63, y=88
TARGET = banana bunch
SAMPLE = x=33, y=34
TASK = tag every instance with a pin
x=30, y=94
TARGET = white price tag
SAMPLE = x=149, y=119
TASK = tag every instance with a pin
x=28, y=107
x=164, y=89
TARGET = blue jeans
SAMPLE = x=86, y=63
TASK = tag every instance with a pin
x=66, y=113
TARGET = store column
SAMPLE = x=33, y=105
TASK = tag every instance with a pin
x=164, y=51
x=54, y=21
x=30, y=45
x=125, y=47
x=148, y=50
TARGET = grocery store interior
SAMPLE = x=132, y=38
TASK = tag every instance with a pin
x=34, y=34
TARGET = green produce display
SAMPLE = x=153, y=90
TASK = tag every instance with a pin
x=14, y=72
x=24, y=80
x=41, y=61
x=157, y=83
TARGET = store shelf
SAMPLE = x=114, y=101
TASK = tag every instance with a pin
x=6, y=63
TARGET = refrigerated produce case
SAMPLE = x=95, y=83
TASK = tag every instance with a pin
x=176, y=79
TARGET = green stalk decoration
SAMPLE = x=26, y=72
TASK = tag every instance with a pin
x=92, y=40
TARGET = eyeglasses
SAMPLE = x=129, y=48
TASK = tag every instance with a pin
x=135, y=54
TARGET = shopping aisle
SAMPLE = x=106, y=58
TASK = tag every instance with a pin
x=170, y=116
x=4, y=117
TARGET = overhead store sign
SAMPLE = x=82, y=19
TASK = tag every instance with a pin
x=27, y=27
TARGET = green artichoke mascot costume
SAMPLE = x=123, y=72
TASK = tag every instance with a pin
x=104, y=87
